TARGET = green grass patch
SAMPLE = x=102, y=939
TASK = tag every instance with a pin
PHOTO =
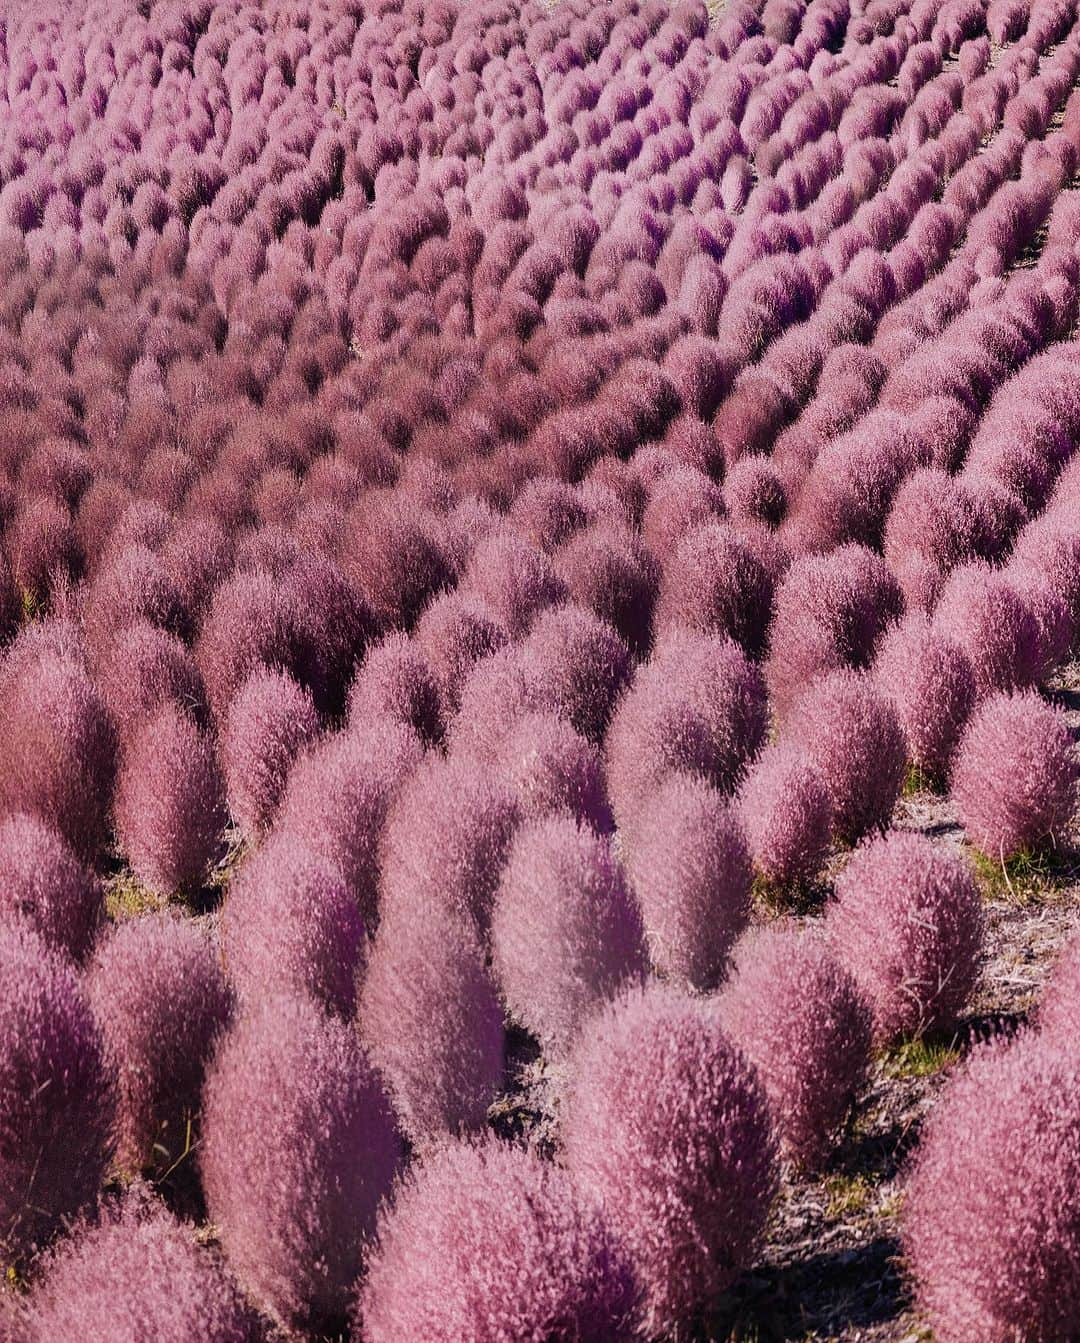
x=847, y=1196
x=920, y=1058
x=126, y=898
x=1026, y=877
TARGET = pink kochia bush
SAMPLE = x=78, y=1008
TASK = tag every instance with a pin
x=787, y=815
x=930, y=682
x=430, y=1017
x=487, y=1242
x=1016, y=777
x=697, y=705
x=985, y=616
x=291, y=923
x=1059, y=1008
x=138, y=1276
x=667, y=1125
x=396, y=682
x=907, y=922
x=991, y=1227
x=552, y=768
x=57, y=746
x=851, y=732
x=56, y=1096
x=446, y=839
x=690, y=868
x=714, y=582
x=299, y=1148
x=799, y=1017
x=160, y=997
x=270, y=721
x=565, y=932
x=338, y=796
x=170, y=805
x=42, y=880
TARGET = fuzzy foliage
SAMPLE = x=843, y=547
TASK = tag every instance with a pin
x=690, y=868
x=56, y=1094
x=667, y=1125
x=552, y=768
x=787, y=814
x=852, y=734
x=991, y=1231
x=160, y=997
x=487, y=1242
x=1016, y=774
x=713, y=582
x=299, y=1148
x=907, y=923
x=800, y=1019
x=42, y=880
x=565, y=932
x=431, y=1019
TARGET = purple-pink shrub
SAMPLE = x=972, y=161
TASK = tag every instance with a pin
x=852, y=734
x=1016, y=775
x=668, y=1127
x=132, y=584
x=983, y=614
x=689, y=866
x=291, y=923
x=713, y=582
x=57, y=746
x=137, y=1274
x=907, y=923
x=698, y=705
x=454, y=633
x=159, y=994
x=488, y=1242
x=930, y=682
x=787, y=815
x=338, y=796
x=56, y=1097
x=1059, y=1006
x=170, y=804
x=270, y=720
x=608, y=571
x=43, y=881
x=514, y=579
x=830, y=611
x=991, y=1231
x=299, y=1149
x=395, y=682
x=446, y=839
x=754, y=492
x=145, y=669
x=800, y=1019
x=551, y=768
x=430, y=1017
x=576, y=666
x=566, y=934
x=391, y=555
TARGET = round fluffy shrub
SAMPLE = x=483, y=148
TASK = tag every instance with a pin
x=396, y=683
x=714, y=582
x=291, y=922
x=138, y=1276
x=57, y=746
x=446, y=839
x=606, y=569
x=787, y=814
x=147, y=668
x=907, y=922
x=667, y=1125
x=697, y=705
x=551, y=768
x=430, y=1017
x=690, y=869
x=799, y=1018
x=454, y=633
x=338, y=797
x=299, y=1148
x=565, y=932
x=1059, y=1007
x=981, y=612
x=170, y=806
x=514, y=579
x=930, y=682
x=1016, y=774
x=487, y=1242
x=56, y=1098
x=851, y=733
x=42, y=880
x=991, y=1227
x=159, y=995
x=830, y=611
x=270, y=721
x=577, y=666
